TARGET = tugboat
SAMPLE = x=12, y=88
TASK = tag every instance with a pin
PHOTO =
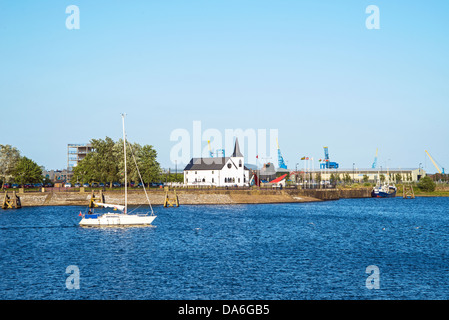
x=384, y=191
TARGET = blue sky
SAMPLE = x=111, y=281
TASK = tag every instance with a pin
x=310, y=69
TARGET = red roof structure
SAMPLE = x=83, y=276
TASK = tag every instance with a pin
x=278, y=179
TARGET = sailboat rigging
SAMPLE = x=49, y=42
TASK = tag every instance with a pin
x=123, y=218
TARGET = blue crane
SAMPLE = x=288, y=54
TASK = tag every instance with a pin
x=281, y=163
x=327, y=163
x=374, y=166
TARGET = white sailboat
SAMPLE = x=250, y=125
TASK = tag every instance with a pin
x=122, y=218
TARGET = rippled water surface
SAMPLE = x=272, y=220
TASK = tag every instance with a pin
x=280, y=251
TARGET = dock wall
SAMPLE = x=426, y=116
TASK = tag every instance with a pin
x=189, y=196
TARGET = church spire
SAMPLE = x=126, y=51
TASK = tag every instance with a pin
x=237, y=152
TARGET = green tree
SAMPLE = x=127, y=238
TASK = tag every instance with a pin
x=398, y=177
x=426, y=184
x=100, y=165
x=27, y=171
x=318, y=177
x=347, y=178
x=107, y=162
x=338, y=176
x=132, y=152
x=382, y=178
x=9, y=157
x=365, y=178
x=148, y=166
x=105, y=159
x=86, y=169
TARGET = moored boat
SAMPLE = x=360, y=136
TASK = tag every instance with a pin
x=116, y=219
x=384, y=191
x=123, y=218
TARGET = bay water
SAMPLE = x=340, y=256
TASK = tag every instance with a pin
x=321, y=250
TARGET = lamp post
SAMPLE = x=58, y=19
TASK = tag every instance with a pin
x=296, y=173
x=419, y=172
x=353, y=173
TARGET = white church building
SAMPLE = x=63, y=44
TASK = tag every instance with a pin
x=217, y=171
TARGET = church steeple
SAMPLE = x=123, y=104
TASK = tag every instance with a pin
x=236, y=152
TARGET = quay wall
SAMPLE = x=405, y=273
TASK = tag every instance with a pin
x=193, y=196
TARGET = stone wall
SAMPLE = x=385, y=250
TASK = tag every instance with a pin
x=193, y=196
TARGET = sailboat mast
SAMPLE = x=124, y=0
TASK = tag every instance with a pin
x=124, y=152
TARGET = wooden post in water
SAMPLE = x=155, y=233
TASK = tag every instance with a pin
x=5, y=201
x=407, y=191
x=16, y=199
x=11, y=203
x=93, y=201
x=171, y=202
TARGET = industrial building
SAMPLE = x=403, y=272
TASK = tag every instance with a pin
x=357, y=175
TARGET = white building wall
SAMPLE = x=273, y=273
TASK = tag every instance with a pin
x=201, y=177
x=233, y=173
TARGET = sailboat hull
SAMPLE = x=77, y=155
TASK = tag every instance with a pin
x=114, y=219
x=380, y=194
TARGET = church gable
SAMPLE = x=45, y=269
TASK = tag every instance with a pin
x=230, y=165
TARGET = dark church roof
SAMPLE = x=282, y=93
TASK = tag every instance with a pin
x=206, y=163
x=237, y=152
x=209, y=164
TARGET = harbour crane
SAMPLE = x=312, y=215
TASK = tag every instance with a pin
x=210, y=150
x=218, y=151
x=327, y=164
x=374, y=166
x=281, y=163
x=435, y=164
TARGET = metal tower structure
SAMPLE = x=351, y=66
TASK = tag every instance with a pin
x=281, y=163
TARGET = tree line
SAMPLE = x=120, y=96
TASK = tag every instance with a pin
x=15, y=168
x=106, y=163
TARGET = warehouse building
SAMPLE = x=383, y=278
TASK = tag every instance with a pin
x=395, y=175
